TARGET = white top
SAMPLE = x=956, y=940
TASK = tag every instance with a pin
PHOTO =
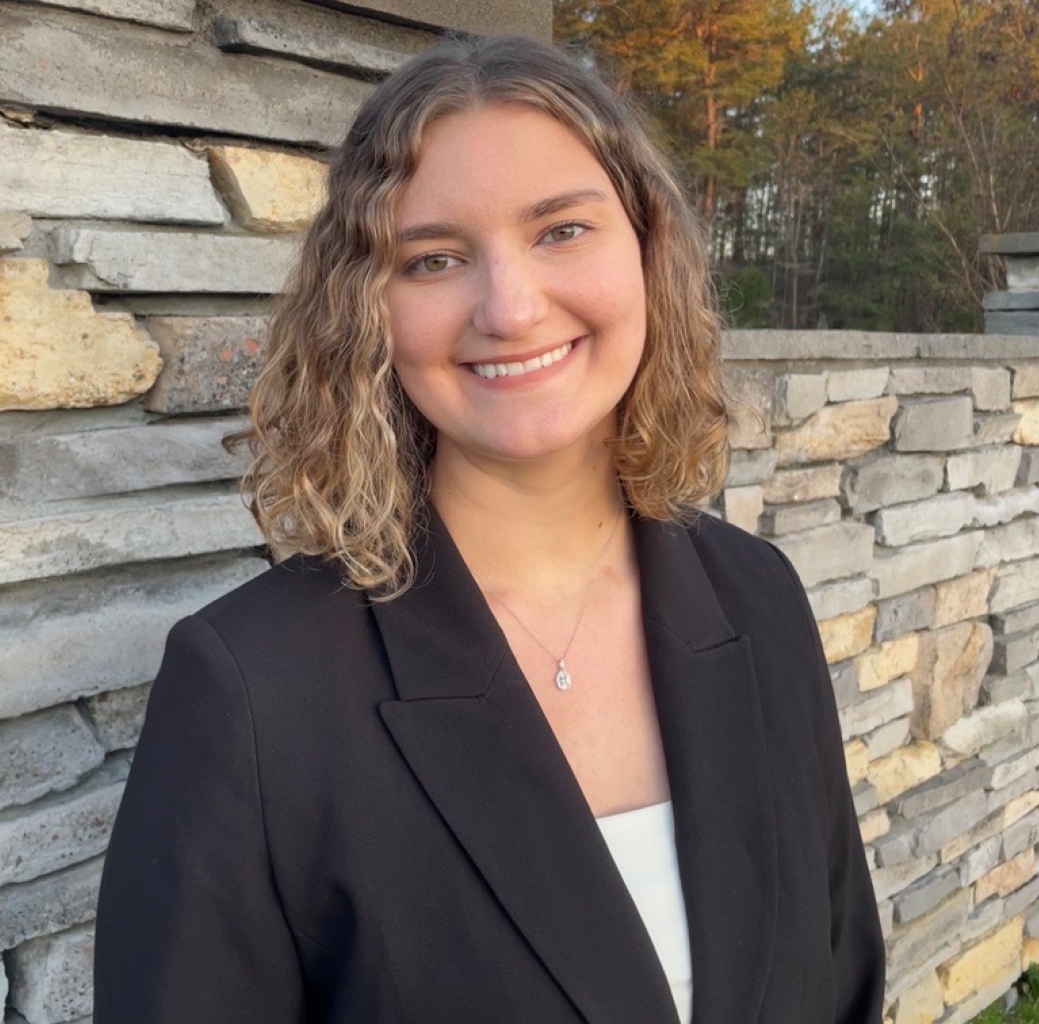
x=643, y=845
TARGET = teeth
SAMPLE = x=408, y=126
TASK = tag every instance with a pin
x=492, y=370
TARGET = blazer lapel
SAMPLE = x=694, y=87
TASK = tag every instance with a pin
x=478, y=742
x=705, y=688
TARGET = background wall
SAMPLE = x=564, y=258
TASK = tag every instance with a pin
x=157, y=161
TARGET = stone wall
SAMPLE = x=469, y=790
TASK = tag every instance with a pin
x=155, y=170
x=158, y=159
x=1016, y=310
x=899, y=473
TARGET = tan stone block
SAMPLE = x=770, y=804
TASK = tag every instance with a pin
x=983, y=964
x=856, y=760
x=847, y=635
x=839, y=432
x=1028, y=429
x=14, y=228
x=742, y=506
x=267, y=190
x=1029, y=953
x=956, y=848
x=921, y=1004
x=879, y=665
x=874, y=825
x=948, y=675
x=808, y=483
x=903, y=769
x=1007, y=877
x=963, y=598
x=57, y=352
x=1016, y=809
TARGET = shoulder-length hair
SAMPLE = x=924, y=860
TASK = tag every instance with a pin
x=339, y=453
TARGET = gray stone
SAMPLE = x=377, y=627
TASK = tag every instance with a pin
x=1019, y=835
x=74, y=637
x=1010, y=243
x=998, y=428
x=798, y=396
x=117, y=460
x=940, y=516
x=1022, y=899
x=61, y=174
x=791, y=346
x=1016, y=620
x=45, y=752
x=1008, y=543
x=840, y=598
x=122, y=260
x=63, y=828
x=804, y=483
x=1023, y=323
x=475, y=19
x=1014, y=652
x=1004, y=507
x=998, y=799
x=210, y=363
x=888, y=881
x=1023, y=274
x=780, y=519
x=905, y=613
x=886, y=912
x=1025, y=375
x=990, y=470
x=890, y=480
x=896, y=847
x=864, y=796
x=845, y=678
x=925, y=894
x=320, y=37
x=887, y=738
x=979, y=860
x=852, y=385
x=933, y=425
x=996, y=689
x=1016, y=584
x=950, y=821
x=168, y=14
x=984, y=727
x=1010, y=300
x=119, y=715
x=876, y=708
x=123, y=532
x=753, y=466
x=914, y=566
x=750, y=421
x=105, y=70
x=967, y=777
x=14, y=229
x=51, y=977
x=990, y=386
x=829, y=552
x=965, y=346
x=1028, y=469
x=929, y=380
x=49, y=904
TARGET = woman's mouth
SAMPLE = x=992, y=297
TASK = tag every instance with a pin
x=491, y=370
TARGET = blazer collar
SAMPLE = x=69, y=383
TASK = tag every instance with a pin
x=475, y=736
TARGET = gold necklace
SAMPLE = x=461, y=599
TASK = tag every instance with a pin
x=564, y=680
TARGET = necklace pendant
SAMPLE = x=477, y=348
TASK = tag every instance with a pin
x=563, y=680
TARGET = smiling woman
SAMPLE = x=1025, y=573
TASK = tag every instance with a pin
x=512, y=732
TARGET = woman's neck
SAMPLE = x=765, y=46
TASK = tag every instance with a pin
x=536, y=528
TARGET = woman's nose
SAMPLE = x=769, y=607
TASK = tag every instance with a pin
x=511, y=299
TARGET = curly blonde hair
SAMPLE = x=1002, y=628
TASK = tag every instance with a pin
x=339, y=453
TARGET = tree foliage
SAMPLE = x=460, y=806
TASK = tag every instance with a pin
x=846, y=167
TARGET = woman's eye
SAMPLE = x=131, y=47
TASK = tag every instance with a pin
x=432, y=263
x=569, y=232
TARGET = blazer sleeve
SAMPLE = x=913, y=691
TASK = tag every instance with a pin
x=189, y=924
x=856, y=939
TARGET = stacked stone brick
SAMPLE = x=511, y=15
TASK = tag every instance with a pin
x=899, y=474
x=1015, y=310
x=158, y=159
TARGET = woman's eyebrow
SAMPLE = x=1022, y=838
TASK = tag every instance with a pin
x=539, y=208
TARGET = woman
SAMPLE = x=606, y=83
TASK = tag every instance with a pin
x=559, y=750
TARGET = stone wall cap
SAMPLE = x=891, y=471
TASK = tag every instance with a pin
x=1013, y=243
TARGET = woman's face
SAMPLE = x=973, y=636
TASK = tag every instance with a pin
x=517, y=304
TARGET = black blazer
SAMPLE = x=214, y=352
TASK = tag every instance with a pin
x=357, y=813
